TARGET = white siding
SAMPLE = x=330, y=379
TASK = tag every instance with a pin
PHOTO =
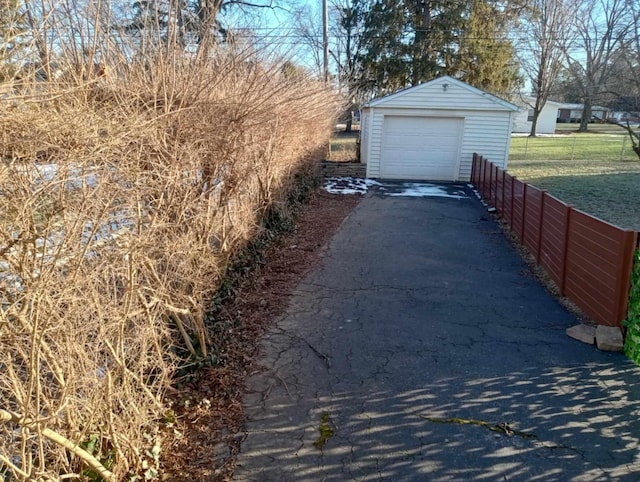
x=546, y=120
x=435, y=97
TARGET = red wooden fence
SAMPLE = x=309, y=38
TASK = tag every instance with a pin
x=589, y=259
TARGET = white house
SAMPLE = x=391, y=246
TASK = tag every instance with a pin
x=430, y=131
x=546, y=120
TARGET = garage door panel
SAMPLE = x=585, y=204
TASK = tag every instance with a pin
x=420, y=147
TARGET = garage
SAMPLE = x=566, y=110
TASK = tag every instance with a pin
x=430, y=131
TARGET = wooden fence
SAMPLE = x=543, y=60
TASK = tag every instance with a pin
x=589, y=259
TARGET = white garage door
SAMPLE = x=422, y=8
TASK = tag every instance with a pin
x=420, y=148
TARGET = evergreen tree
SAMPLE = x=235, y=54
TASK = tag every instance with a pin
x=485, y=57
x=406, y=42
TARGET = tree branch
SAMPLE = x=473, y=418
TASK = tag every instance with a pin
x=55, y=437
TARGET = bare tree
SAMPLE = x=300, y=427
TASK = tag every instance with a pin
x=548, y=27
x=628, y=92
x=602, y=28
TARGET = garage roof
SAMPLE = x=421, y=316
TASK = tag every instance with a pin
x=489, y=100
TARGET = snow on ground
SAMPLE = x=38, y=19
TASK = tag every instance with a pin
x=352, y=185
x=421, y=189
x=348, y=185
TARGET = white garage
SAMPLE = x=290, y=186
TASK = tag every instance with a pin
x=430, y=131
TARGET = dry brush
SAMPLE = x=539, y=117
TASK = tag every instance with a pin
x=122, y=201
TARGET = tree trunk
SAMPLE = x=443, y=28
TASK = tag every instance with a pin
x=586, y=116
x=534, y=123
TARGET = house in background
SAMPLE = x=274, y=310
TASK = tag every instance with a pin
x=625, y=109
x=430, y=131
x=573, y=113
x=546, y=120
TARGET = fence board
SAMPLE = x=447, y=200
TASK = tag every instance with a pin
x=532, y=217
x=596, y=267
x=553, y=241
x=517, y=224
x=483, y=181
x=499, y=190
x=507, y=209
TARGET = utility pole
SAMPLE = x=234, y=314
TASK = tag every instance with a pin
x=325, y=40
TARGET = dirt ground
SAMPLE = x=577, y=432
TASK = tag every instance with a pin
x=202, y=432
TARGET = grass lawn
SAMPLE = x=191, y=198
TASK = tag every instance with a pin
x=609, y=190
x=597, y=171
x=615, y=146
x=343, y=146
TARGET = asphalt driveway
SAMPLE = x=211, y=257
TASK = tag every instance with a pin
x=423, y=349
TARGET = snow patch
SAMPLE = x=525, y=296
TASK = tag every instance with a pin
x=353, y=185
x=415, y=189
x=348, y=185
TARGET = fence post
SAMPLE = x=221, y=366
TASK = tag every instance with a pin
x=495, y=181
x=573, y=148
x=490, y=181
x=494, y=187
x=504, y=175
x=624, y=145
x=524, y=212
x=511, y=201
x=474, y=169
x=540, y=223
x=565, y=251
x=526, y=148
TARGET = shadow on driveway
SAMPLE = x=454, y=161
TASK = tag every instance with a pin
x=425, y=350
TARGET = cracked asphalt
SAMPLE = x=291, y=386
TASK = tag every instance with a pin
x=420, y=330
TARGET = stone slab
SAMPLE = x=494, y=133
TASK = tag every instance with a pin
x=583, y=333
x=609, y=338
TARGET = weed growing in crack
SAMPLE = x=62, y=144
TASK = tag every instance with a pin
x=326, y=431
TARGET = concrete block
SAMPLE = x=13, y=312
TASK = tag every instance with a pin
x=609, y=338
x=583, y=333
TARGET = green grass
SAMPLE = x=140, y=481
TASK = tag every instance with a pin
x=615, y=146
x=597, y=171
x=563, y=128
x=609, y=190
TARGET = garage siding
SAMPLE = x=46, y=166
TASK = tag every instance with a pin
x=433, y=95
x=484, y=132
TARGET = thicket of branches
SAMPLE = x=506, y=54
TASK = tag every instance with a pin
x=125, y=190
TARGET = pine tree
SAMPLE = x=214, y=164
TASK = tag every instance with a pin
x=406, y=42
x=485, y=57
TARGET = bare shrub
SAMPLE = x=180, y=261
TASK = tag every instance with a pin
x=122, y=200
